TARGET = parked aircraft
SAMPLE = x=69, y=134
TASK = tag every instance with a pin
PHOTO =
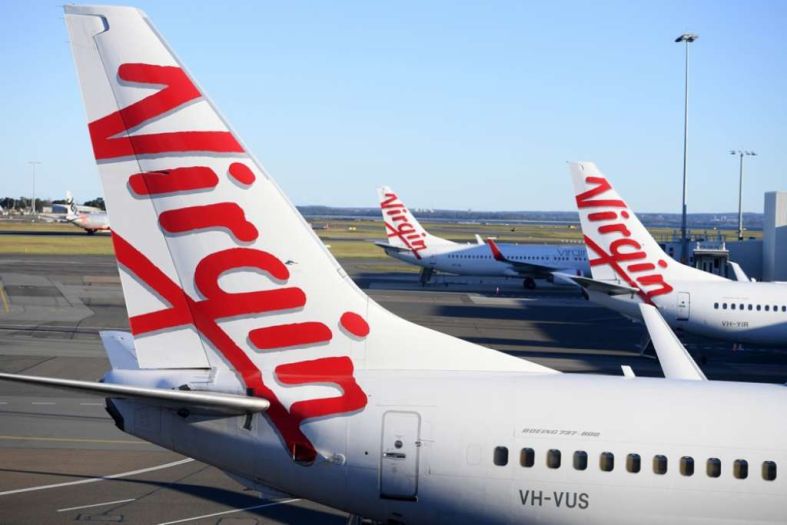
x=408, y=241
x=90, y=221
x=629, y=267
x=252, y=350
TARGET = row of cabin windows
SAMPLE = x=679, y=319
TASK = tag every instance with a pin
x=606, y=463
x=741, y=306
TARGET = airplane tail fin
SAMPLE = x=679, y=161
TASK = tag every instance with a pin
x=71, y=207
x=219, y=270
x=620, y=249
x=401, y=226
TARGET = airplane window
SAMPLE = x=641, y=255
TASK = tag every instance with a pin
x=724, y=306
x=501, y=456
x=732, y=306
x=758, y=307
x=553, y=458
x=580, y=460
x=660, y=464
x=751, y=307
x=768, y=470
x=784, y=308
x=713, y=467
x=767, y=308
x=715, y=306
x=687, y=466
x=740, y=469
x=607, y=461
x=633, y=463
x=741, y=307
x=527, y=457
x=775, y=308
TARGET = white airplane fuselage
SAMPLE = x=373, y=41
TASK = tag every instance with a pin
x=745, y=312
x=477, y=259
x=448, y=425
x=91, y=222
x=630, y=265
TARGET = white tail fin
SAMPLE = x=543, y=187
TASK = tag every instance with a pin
x=218, y=268
x=620, y=249
x=71, y=206
x=402, y=228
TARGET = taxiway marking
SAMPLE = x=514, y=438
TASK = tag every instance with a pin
x=184, y=520
x=97, y=504
x=101, y=478
x=4, y=298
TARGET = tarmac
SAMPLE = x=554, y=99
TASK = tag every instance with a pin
x=63, y=461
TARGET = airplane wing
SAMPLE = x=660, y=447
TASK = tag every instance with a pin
x=602, y=286
x=523, y=268
x=675, y=360
x=164, y=396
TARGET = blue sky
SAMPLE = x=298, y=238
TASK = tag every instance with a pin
x=462, y=105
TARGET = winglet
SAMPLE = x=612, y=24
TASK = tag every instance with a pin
x=496, y=253
x=676, y=363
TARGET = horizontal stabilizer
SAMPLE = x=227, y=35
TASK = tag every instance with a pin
x=390, y=247
x=676, y=363
x=603, y=286
x=176, y=398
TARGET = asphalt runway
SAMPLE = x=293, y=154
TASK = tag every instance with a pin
x=63, y=461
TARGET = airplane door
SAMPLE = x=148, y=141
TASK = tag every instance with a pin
x=400, y=454
x=683, y=306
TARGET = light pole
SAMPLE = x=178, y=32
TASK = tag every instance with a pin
x=687, y=38
x=741, y=154
x=33, y=163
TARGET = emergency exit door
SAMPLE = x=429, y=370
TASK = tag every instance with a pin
x=400, y=455
x=684, y=305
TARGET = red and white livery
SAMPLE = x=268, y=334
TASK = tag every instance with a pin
x=409, y=242
x=251, y=350
x=629, y=267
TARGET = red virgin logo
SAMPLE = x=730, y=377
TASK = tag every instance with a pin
x=397, y=224
x=110, y=141
x=626, y=256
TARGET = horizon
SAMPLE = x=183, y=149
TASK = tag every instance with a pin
x=423, y=211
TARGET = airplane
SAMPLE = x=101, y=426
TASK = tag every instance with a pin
x=409, y=242
x=629, y=267
x=90, y=221
x=252, y=350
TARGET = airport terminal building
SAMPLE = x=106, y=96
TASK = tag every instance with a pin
x=762, y=259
